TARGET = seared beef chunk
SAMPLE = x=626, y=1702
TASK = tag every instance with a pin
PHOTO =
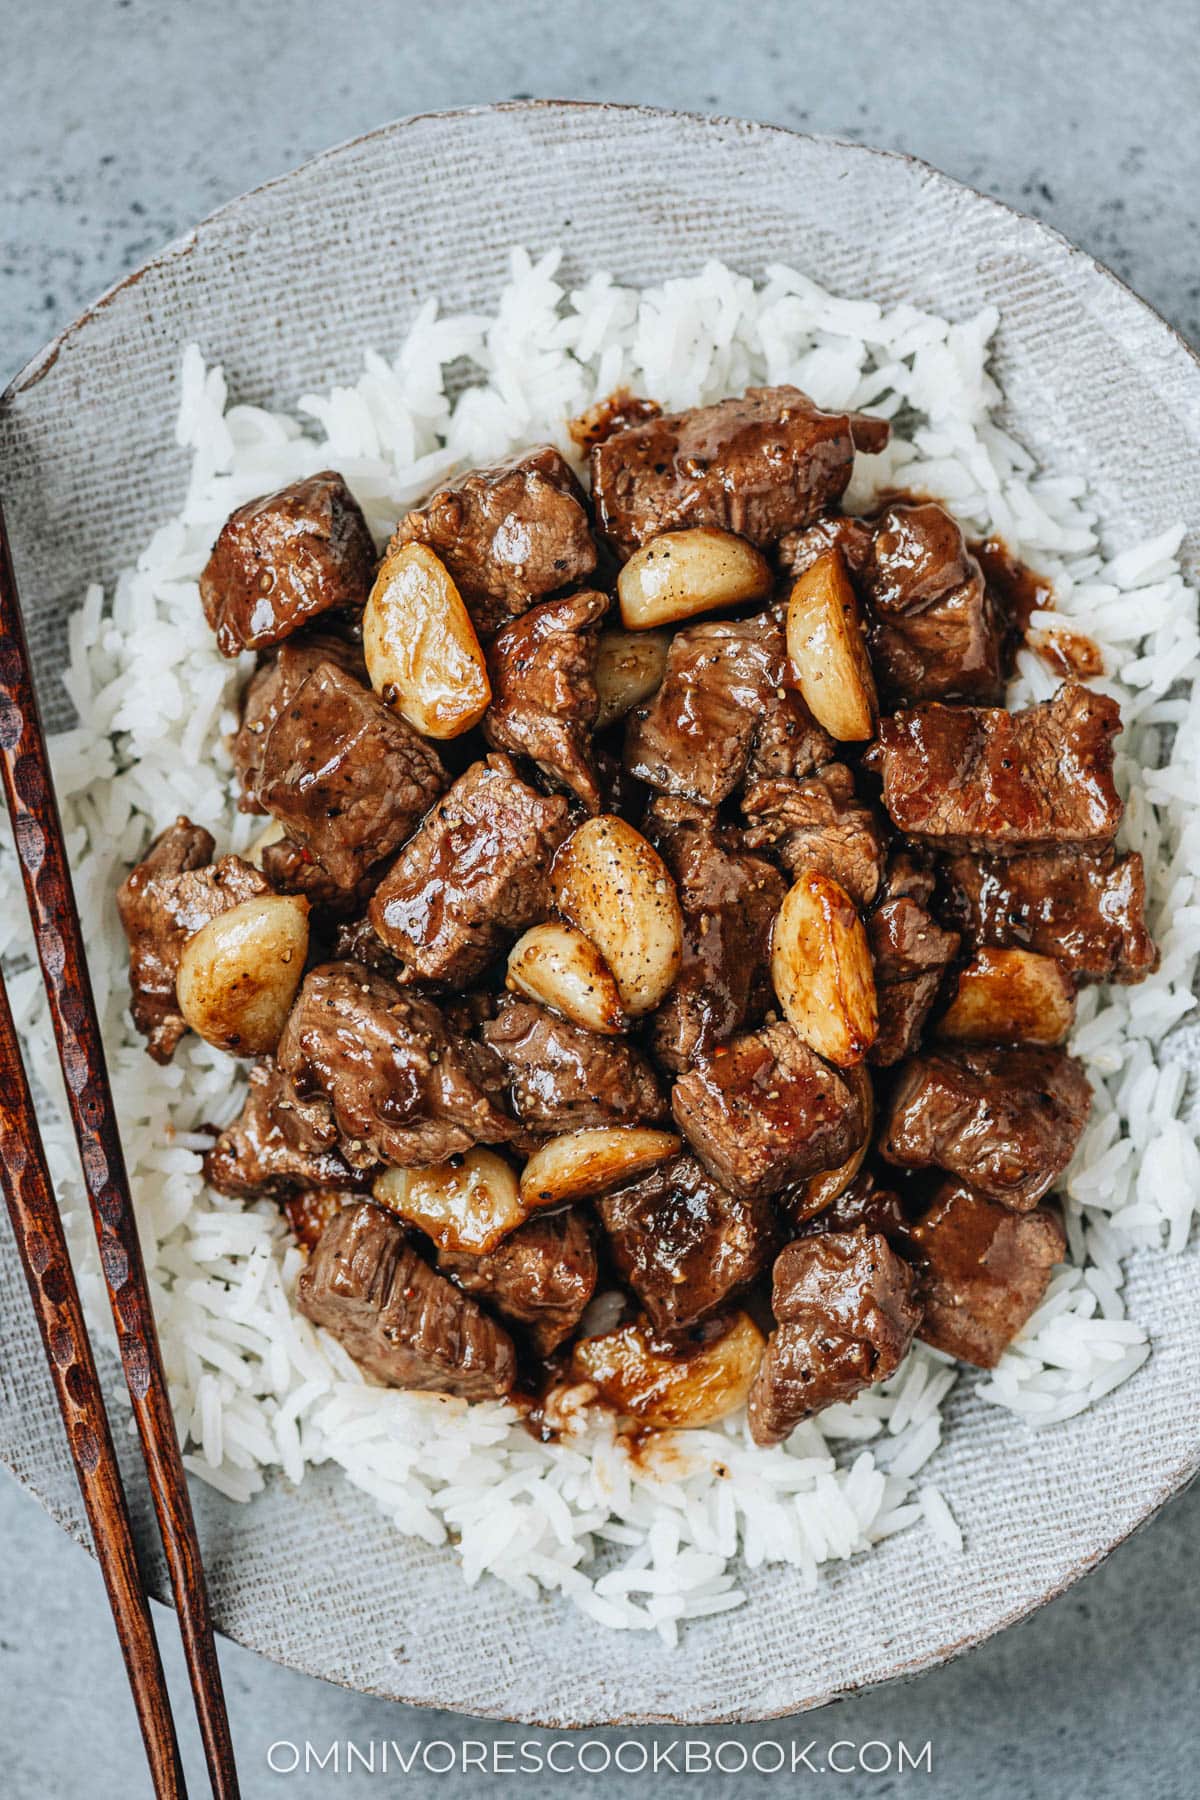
x=934, y=634
x=279, y=1142
x=684, y=1244
x=1087, y=910
x=862, y=1206
x=396, y=1316
x=164, y=901
x=402, y=1091
x=980, y=778
x=985, y=1271
x=473, y=876
x=270, y=691
x=544, y=699
x=729, y=901
x=541, y=1276
x=562, y=1078
x=759, y=466
x=723, y=711
x=507, y=534
x=281, y=560
x=765, y=1111
x=1007, y=1121
x=799, y=550
x=911, y=954
x=345, y=776
x=820, y=824
x=846, y=1311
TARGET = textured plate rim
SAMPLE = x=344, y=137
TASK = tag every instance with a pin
x=181, y=246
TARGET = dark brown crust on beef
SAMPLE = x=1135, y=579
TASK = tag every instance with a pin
x=984, y=1270
x=980, y=778
x=1005, y=1120
x=761, y=466
x=684, y=1244
x=345, y=776
x=724, y=714
x=508, y=534
x=544, y=699
x=473, y=876
x=402, y=1321
x=282, y=560
x=846, y=1311
x=765, y=1111
x=563, y=1078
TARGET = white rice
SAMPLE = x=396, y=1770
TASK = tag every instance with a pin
x=255, y=1388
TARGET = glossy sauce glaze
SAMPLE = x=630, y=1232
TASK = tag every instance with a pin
x=1020, y=592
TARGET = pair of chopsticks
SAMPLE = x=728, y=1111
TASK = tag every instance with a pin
x=29, y=789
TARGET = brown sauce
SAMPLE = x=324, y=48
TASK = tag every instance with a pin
x=1067, y=652
x=1021, y=592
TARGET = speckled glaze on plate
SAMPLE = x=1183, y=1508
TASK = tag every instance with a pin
x=285, y=286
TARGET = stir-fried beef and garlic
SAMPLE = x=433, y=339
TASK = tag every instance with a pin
x=658, y=902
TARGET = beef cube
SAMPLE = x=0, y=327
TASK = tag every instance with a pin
x=540, y=1277
x=985, y=1271
x=761, y=466
x=279, y=1143
x=473, y=876
x=850, y=536
x=933, y=630
x=282, y=560
x=562, y=1078
x=1088, y=910
x=544, y=699
x=271, y=690
x=819, y=823
x=723, y=712
x=406, y=1324
x=911, y=953
x=164, y=901
x=729, y=901
x=765, y=1111
x=846, y=1311
x=683, y=1243
x=980, y=778
x=508, y=534
x=1005, y=1120
x=403, y=1091
x=345, y=776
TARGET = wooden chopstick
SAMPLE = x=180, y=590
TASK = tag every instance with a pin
x=42, y=1248
x=29, y=788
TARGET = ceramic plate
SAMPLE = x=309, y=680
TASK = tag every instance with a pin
x=284, y=287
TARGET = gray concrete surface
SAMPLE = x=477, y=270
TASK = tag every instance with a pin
x=120, y=124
